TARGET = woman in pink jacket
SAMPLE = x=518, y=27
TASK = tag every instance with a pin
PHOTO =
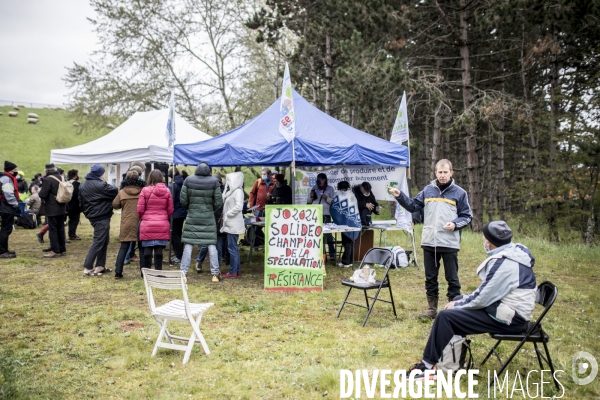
x=154, y=208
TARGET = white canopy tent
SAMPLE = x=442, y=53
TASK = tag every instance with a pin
x=140, y=138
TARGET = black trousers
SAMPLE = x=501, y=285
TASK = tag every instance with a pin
x=462, y=322
x=122, y=254
x=97, y=251
x=431, y=259
x=176, y=236
x=157, y=251
x=329, y=238
x=56, y=232
x=73, y=222
x=348, y=245
x=6, y=229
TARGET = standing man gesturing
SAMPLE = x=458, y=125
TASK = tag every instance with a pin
x=447, y=211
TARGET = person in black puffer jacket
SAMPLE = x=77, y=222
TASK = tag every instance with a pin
x=55, y=212
x=95, y=200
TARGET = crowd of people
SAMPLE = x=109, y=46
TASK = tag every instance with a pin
x=192, y=210
x=201, y=210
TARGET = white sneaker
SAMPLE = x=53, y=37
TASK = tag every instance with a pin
x=347, y=266
x=340, y=265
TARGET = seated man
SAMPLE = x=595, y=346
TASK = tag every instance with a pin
x=503, y=303
x=34, y=202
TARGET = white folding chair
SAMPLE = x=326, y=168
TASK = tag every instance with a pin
x=174, y=310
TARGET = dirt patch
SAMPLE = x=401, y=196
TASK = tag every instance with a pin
x=128, y=326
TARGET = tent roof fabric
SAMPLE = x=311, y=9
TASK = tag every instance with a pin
x=140, y=138
x=320, y=140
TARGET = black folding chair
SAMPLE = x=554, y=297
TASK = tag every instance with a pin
x=546, y=294
x=376, y=255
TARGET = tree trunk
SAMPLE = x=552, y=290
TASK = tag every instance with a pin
x=554, y=106
x=500, y=178
x=327, y=75
x=437, y=138
x=313, y=80
x=426, y=153
x=554, y=110
x=437, y=125
x=492, y=204
x=501, y=196
x=471, y=140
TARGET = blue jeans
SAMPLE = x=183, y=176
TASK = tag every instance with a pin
x=204, y=250
x=187, y=258
x=129, y=252
x=234, y=253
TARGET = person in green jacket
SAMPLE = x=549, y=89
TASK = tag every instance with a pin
x=201, y=196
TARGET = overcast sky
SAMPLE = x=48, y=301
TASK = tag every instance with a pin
x=38, y=41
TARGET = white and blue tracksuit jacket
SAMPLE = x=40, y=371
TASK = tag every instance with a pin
x=441, y=207
x=508, y=288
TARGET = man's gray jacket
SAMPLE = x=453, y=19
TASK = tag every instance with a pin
x=508, y=288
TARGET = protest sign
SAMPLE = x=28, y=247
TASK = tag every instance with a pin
x=293, y=247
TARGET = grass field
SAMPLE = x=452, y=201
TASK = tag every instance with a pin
x=29, y=145
x=65, y=336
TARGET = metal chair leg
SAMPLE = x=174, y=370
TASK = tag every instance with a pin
x=537, y=354
x=372, y=305
x=505, y=364
x=490, y=353
x=343, y=303
x=392, y=300
x=550, y=364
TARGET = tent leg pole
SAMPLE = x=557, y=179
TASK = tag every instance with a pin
x=171, y=218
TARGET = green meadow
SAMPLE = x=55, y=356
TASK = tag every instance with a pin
x=69, y=336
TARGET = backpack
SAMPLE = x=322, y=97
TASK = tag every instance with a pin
x=27, y=221
x=454, y=356
x=400, y=259
x=65, y=190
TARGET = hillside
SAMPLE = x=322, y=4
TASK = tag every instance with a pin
x=29, y=145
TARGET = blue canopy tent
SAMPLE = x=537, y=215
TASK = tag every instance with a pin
x=320, y=140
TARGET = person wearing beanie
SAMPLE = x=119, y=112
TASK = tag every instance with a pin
x=502, y=304
x=137, y=169
x=95, y=201
x=9, y=206
x=55, y=212
x=446, y=212
x=21, y=182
